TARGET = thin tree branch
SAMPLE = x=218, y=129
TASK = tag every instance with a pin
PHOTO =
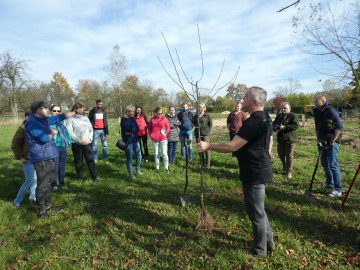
x=293, y=4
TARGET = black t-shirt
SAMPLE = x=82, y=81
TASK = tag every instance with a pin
x=254, y=158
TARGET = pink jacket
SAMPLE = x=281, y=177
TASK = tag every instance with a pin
x=158, y=128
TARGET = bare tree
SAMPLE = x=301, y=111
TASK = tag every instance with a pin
x=205, y=221
x=13, y=79
x=288, y=89
x=331, y=32
x=117, y=67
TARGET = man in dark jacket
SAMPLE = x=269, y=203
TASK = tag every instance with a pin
x=98, y=119
x=186, y=119
x=328, y=127
x=42, y=150
x=253, y=142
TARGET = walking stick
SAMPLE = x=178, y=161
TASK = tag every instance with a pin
x=350, y=187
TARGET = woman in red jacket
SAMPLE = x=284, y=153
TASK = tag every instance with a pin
x=142, y=121
x=158, y=129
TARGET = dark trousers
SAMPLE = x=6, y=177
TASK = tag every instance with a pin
x=45, y=174
x=80, y=151
x=143, y=145
x=205, y=157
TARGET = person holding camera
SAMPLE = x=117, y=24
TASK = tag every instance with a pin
x=285, y=126
x=328, y=128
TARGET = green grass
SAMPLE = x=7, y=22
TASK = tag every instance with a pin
x=140, y=224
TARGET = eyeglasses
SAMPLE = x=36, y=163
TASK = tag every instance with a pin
x=56, y=111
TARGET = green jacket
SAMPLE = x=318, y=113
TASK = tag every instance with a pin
x=205, y=124
x=289, y=134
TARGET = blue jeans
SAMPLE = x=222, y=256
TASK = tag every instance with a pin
x=29, y=183
x=161, y=146
x=254, y=196
x=100, y=133
x=172, y=151
x=186, y=140
x=128, y=152
x=60, y=162
x=329, y=161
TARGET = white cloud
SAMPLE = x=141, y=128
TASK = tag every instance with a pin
x=76, y=38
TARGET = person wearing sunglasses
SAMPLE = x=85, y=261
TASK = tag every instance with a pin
x=42, y=149
x=62, y=140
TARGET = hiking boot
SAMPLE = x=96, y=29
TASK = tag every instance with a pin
x=335, y=193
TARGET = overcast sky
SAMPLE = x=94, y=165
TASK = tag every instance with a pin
x=76, y=38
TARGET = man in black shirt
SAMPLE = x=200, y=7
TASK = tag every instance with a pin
x=254, y=143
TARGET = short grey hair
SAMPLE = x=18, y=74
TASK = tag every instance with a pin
x=259, y=94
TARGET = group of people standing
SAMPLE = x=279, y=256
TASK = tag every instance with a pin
x=37, y=142
x=164, y=131
x=41, y=144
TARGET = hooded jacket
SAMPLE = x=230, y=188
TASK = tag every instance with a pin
x=41, y=146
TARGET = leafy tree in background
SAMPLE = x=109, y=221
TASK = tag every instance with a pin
x=60, y=91
x=278, y=99
x=13, y=80
x=298, y=101
x=236, y=92
x=88, y=92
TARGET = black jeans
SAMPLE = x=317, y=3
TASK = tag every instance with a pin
x=80, y=151
x=45, y=174
x=143, y=144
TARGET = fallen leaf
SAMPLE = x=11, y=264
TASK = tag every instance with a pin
x=319, y=244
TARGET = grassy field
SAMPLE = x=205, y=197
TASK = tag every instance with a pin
x=140, y=224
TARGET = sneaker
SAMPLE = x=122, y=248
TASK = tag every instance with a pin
x=167, y=171
x=335, y=193
x=54, y=189
x=139, y=173
x=146, y=160
x=95, y=160
x=132, y=176
x=17, y=205
x=157, y=170
x=108, y=163
x=289, y=175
